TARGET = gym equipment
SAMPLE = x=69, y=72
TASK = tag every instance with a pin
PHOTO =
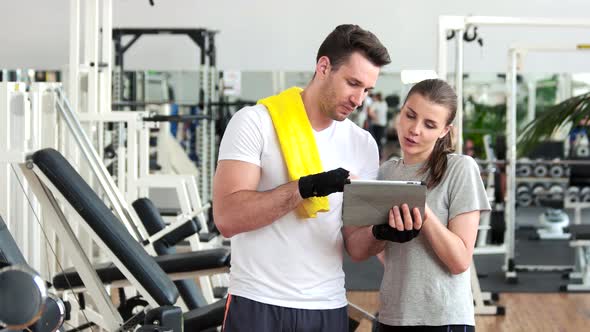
x=556, y=192
x=492, y=223
x=553, y=221
x=23, y=292
x=52, y=178
x=540, y=171
x=524, y=168
x=583, y=151
x=539, y=192
x=523, y=195
x=205, y=41
x=459, y=24
x=556, y=171
x=572, y=194
x=22, y=295
x=580, y=240
x=150, y=216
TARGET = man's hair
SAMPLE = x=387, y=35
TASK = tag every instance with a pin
x=349, y=38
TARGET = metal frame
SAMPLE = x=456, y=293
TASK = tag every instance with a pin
x=45, y=192
x=205, y=133
x=515, y=57
x=107, y=184
x=21, y=114
x=459, y=24
x=582, y=248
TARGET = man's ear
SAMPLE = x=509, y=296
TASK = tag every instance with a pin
x=323, y=66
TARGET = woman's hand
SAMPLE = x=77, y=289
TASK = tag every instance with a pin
x=404, y=220
x=402, y=227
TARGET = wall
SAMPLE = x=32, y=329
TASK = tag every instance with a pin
x=281, y=35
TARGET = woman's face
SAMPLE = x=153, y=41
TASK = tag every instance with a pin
x=421, y=124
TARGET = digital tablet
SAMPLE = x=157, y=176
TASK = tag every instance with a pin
x=367, y=202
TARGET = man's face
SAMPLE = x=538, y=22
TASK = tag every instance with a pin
x=345, y=88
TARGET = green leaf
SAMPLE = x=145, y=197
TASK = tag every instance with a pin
x=572, y=111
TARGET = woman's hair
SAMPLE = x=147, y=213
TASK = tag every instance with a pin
x=441, y=93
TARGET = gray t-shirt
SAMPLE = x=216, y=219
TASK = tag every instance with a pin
x=417, y=288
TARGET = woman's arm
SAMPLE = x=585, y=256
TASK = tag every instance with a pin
x=360, y=242
x=453, y=244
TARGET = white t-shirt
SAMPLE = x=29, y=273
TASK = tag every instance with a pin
x=363, y=112
x=292, y=262
x=380, y=109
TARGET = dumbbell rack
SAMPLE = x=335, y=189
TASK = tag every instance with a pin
x=557, y=190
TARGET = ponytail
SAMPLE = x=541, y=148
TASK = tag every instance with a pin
x=437, y=162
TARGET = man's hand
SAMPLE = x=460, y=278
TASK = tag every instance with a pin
x=323, y=184
x=399, y=229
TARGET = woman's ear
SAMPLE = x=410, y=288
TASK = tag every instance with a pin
x=446, y=131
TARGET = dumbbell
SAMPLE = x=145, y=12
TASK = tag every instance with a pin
x=585, y=195
x=22, y=295
x=523, y=195
x=540, y=170
x=573, y=194
x=583, y=151
x=524, y=170
x=539, y=192
x=556, y=171
x=556, y=191
x=54, y=314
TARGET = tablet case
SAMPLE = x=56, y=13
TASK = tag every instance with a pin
x=367, y=202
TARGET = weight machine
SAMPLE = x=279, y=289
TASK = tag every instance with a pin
x=459, y=24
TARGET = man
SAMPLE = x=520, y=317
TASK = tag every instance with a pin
x=378, y=114
x=286, y=271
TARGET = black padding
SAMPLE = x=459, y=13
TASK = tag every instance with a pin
x=551, y=203
x=150, y=217
x=102, y=221
x=176, y=263
x=21, y=298
x=168, y=317
x=219, y=292
x=579, y=232
x=170, y=212
x=9, y=251
x=579, y=174
x=206, y=237
x=205, y=317
x=191, y=294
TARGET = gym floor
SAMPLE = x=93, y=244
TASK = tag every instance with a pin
x=524, y=312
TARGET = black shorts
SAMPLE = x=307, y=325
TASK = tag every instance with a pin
x=242, y=314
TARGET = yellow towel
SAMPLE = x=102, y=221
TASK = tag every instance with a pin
x=297, y=144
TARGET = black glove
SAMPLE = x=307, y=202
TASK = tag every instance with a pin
x=386, y=232
x=323, y=184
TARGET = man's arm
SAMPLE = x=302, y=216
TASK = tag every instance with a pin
x=239, y=208
x=360, y=243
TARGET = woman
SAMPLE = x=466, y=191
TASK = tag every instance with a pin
x=426, y=285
